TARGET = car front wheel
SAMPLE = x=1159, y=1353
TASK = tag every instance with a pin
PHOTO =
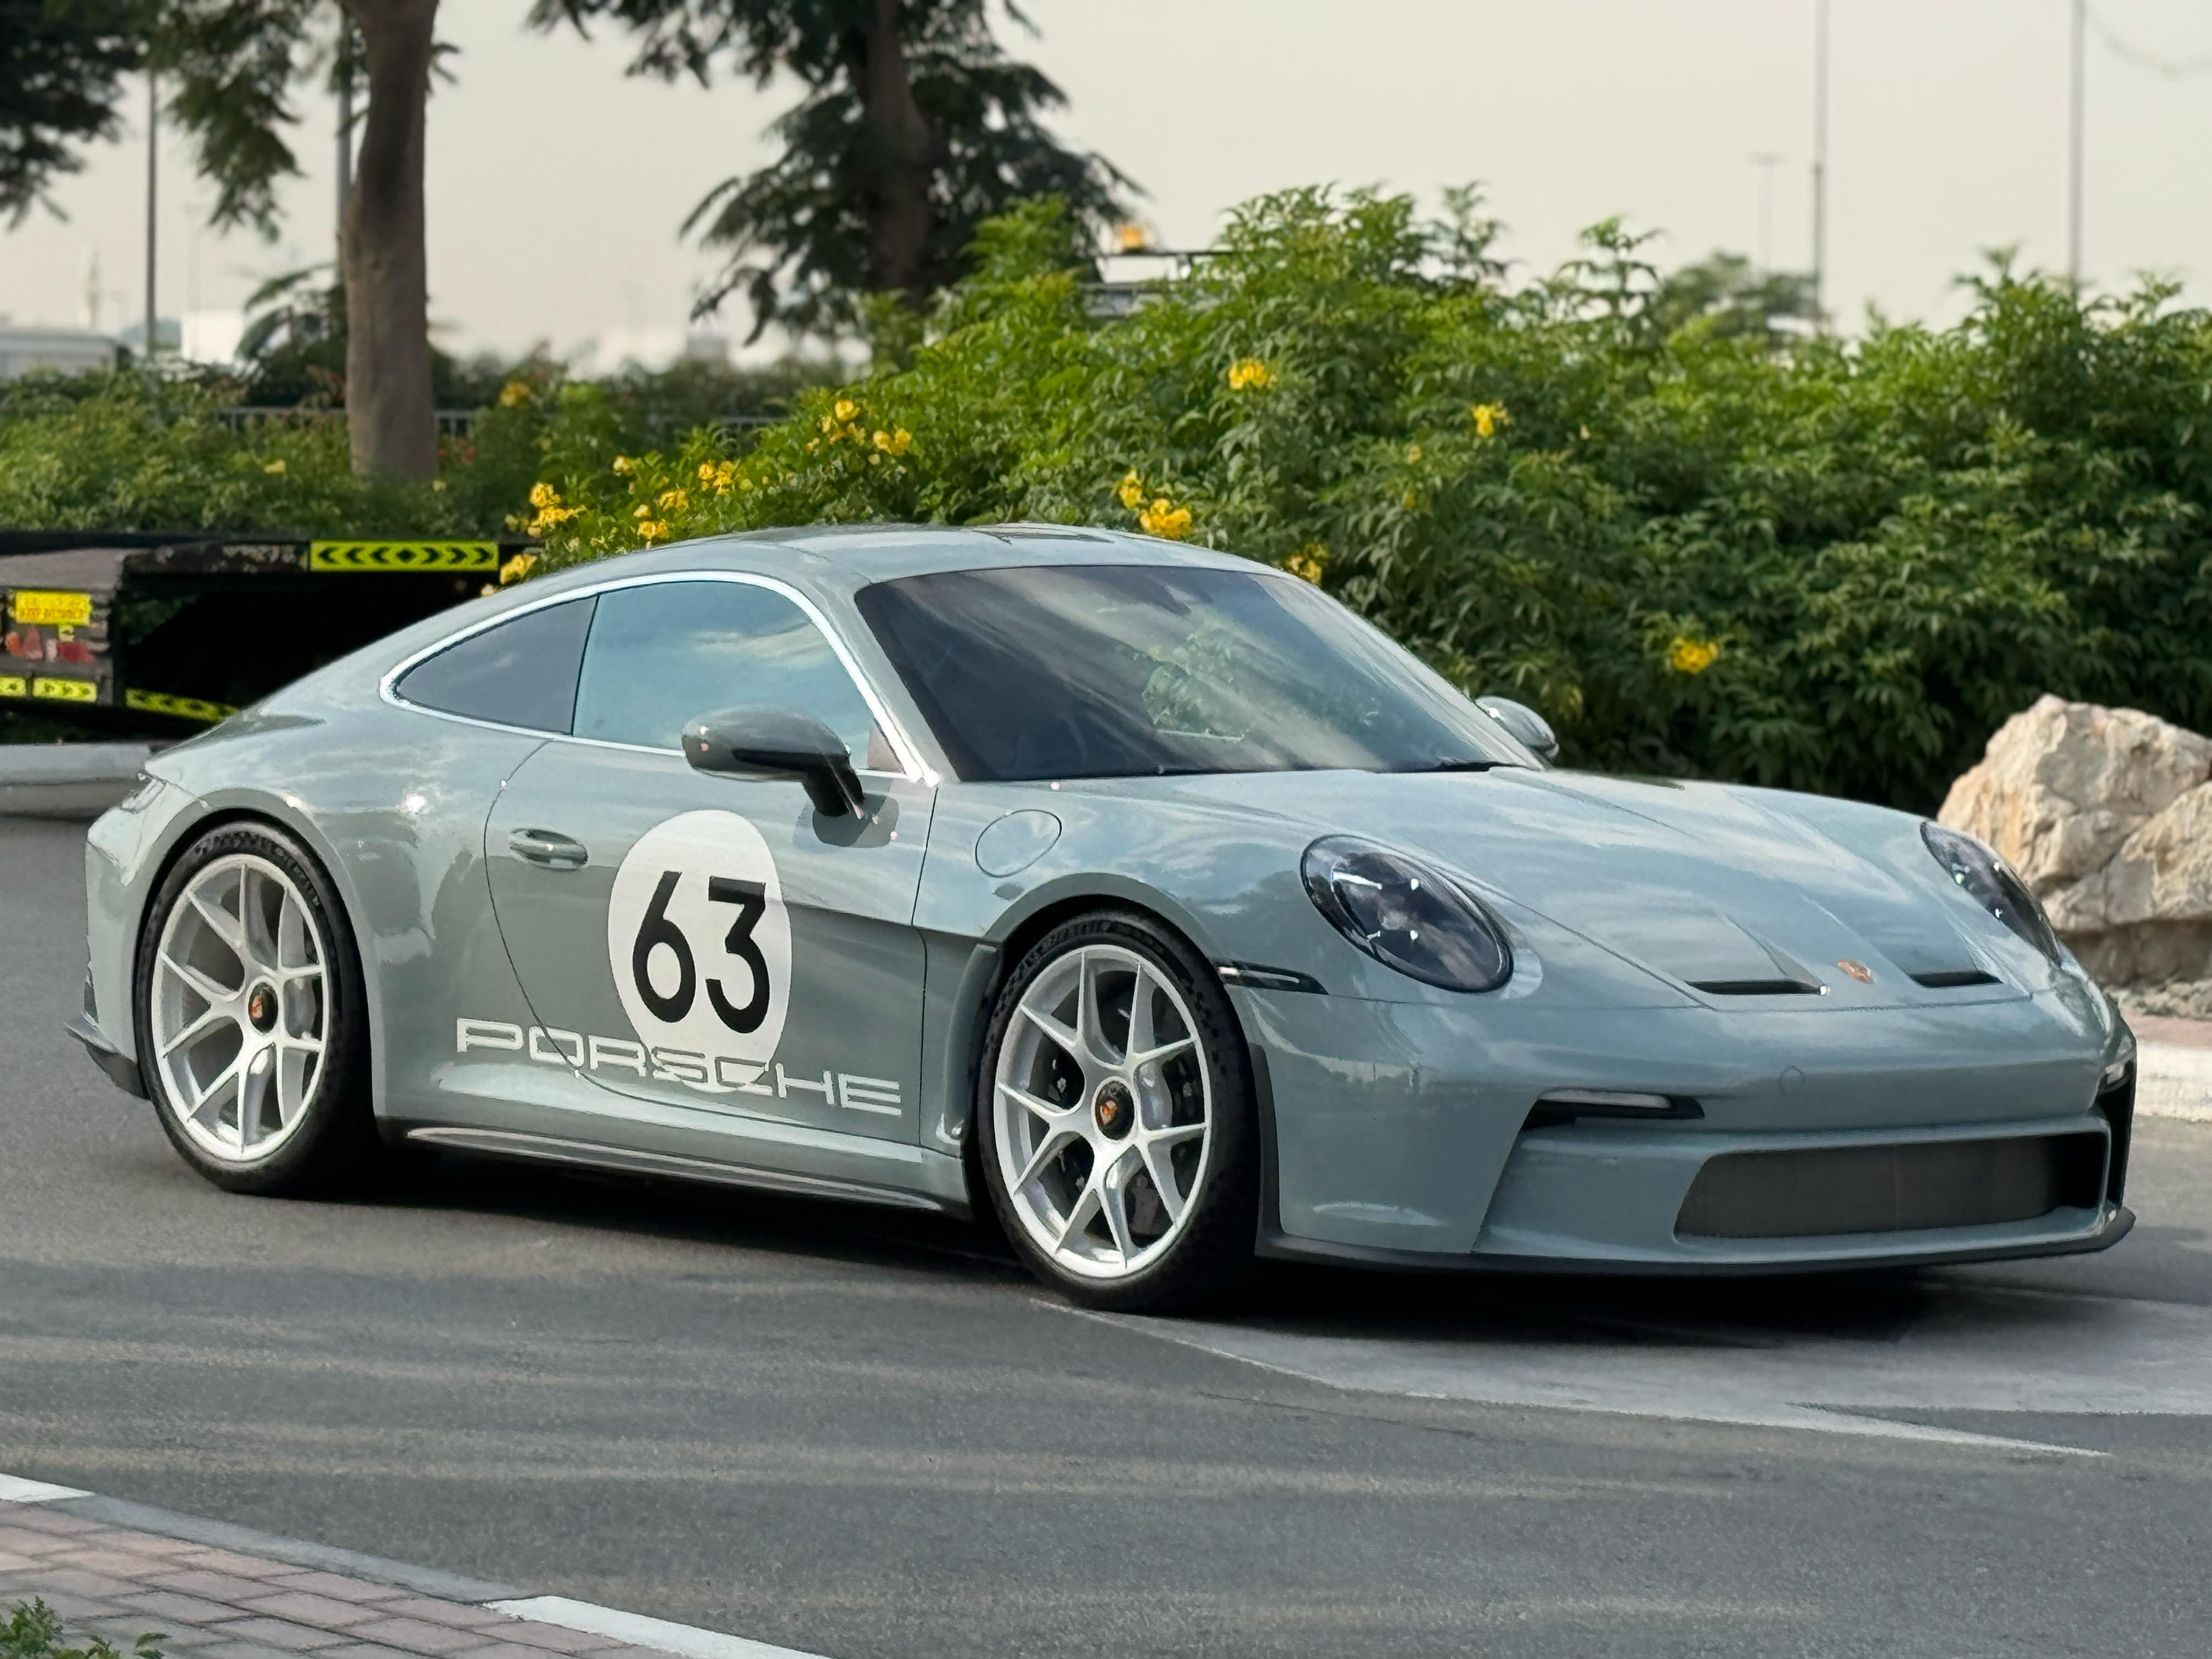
x=1118, y=1141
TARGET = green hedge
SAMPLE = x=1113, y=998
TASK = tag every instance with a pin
x=1701, y=549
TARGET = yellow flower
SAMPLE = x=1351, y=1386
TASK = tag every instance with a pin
x=1413, y=456
x=543, y=495
x=1248, y=373
x=706, y=472
x=844, y=408
x=1307, y=562
x=276, y=466
x=1132, y=490
x=894, y=442
x=652, y=529
x=515, y=394
x=1488, y=418
x=517, y=567
x=674, y=501
x=644, y=510
x=1689, y=656
x=1163, y=519
x=621, y=463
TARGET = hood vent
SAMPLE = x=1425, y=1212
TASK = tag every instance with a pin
x=1955, y=979
x=1755, y=988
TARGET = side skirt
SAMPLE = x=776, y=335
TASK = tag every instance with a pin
x=550, y=1149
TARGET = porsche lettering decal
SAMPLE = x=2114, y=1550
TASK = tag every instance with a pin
x=709, y=1073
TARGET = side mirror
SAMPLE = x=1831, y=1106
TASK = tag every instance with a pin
x=776, y=743
x=1530, y=729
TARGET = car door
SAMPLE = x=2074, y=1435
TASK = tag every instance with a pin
x=709, y=942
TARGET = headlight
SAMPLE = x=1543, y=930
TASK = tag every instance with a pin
x=1991, y=883
x=1405, y=915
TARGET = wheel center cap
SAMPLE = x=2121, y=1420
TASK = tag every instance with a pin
x=261, y=1007
x=1115, y=1110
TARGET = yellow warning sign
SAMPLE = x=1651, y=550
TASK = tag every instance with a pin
x=66, y=690
x=14, y=685
x=340, y=556
x=34, y=607
x=191, y=709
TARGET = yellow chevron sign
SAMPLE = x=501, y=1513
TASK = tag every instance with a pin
x=61, y=690
x=14, y=685
x=191, y=709
x=341, y=557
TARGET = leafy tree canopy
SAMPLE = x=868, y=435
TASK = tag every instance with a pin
x=916, y=126
x=58, y=75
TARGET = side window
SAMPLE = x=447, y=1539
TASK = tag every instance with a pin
x=518, y=673
x=666, y=652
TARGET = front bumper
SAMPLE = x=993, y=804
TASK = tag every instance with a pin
x=121, y=1069
x=1403, y=1134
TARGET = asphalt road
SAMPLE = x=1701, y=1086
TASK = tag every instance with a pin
x=869, y=1437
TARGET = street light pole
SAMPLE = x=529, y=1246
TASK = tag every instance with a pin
x=2074, y=143
x=1819, y=163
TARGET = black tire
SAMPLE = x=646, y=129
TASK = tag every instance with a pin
x=335, y=1145
x=1212, y=1257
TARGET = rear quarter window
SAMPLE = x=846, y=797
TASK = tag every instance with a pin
x=522, y=672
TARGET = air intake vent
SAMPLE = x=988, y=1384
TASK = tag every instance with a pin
x=1755, y=988
x=1836, y=1191
x=1955, y=979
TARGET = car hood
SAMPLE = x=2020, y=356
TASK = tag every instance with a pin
x=1733, y=894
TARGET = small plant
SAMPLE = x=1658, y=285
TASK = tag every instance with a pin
x=33, y=1631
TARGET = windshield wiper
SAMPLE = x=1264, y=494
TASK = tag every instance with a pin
x=1455, y=766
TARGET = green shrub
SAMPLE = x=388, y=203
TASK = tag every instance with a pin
x=1700, y=547
x=35, y=1631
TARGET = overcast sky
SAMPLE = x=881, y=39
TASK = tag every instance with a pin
x=558, y=185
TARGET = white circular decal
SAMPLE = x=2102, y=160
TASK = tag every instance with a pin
x=700, y=942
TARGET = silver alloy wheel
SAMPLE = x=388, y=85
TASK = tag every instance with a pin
x=1102, y=1106
x=241, y=1005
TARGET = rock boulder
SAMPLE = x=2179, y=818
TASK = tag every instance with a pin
x=2106, y=813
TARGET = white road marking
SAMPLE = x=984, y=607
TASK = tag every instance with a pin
x=1978, y=1348
x=14, y=1489
x=2174, y=1080
x=639, y=1630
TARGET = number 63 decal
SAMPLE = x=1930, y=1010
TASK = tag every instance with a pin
x=750, y=898
x=698, y=939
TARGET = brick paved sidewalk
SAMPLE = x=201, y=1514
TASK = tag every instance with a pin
x=220, y=1604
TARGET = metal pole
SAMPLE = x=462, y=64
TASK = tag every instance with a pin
x=2074, y=143
x=1819, y=163
x=153, y=128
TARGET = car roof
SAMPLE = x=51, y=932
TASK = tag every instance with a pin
x=854, y=556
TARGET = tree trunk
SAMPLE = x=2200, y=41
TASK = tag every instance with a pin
x=899, y=215
x=391, y=421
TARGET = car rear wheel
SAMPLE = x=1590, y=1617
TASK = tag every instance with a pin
x=1118, y=1138
x=251, y=1026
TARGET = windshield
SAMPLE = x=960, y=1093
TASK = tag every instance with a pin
x=1120, y=670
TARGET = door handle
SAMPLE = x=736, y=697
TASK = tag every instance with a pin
x=547, y=847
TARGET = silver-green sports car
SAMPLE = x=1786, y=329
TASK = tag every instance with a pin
x=1140, y=893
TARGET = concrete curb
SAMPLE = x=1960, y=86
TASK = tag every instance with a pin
x=299, y=1613
x=67, y=780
